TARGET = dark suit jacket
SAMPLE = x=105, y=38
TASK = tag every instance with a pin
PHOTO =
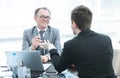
x=51, y=34
x=90, y=52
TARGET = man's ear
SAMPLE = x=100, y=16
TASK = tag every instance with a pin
x=74, y=24
x=34, y=17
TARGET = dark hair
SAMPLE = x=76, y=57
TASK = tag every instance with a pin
x=45, y=8
x=82, y=16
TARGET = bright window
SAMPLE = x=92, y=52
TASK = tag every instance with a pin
x=17, y=15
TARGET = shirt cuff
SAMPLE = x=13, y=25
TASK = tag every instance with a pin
x=51, y=47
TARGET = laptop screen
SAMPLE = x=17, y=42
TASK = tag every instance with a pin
x=31, y=59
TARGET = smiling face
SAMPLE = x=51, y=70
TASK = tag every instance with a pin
x=42, y=19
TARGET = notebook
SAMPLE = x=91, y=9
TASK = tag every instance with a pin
x=31, y=59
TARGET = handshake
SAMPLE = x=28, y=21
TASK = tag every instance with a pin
x=46, y=45
x=43, y=44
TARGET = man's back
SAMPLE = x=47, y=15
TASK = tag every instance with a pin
x=92, y=54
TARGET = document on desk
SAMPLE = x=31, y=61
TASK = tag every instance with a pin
x=70, y=74
x=4, y=72
x=46, y=66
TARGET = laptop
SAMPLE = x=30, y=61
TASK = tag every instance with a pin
x=31, y=59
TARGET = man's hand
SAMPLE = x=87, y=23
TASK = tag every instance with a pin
x=45, y=44
x=72, y=67
x=44, y=58
x=35, y=42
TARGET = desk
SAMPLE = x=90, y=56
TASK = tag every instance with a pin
x=50, y=73
x=116, y=66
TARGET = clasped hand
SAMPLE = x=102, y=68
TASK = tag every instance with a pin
x=45, y=44
x=36, y=41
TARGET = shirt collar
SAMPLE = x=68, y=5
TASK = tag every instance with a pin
x=40, y=30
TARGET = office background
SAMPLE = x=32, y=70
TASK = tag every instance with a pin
x=18, y=15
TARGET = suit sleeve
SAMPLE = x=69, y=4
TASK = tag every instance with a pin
x=62, y=62
x=25, y=43
x=57, y=42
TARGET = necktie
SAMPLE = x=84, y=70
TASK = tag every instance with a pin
x=41, y=37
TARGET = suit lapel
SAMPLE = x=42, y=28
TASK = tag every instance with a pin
x=35, y=32
x=47, y=34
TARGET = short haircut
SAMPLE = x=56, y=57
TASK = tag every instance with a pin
x=82, y=16
x=45, y=8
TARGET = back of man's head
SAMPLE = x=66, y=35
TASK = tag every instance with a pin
x=82, y=16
